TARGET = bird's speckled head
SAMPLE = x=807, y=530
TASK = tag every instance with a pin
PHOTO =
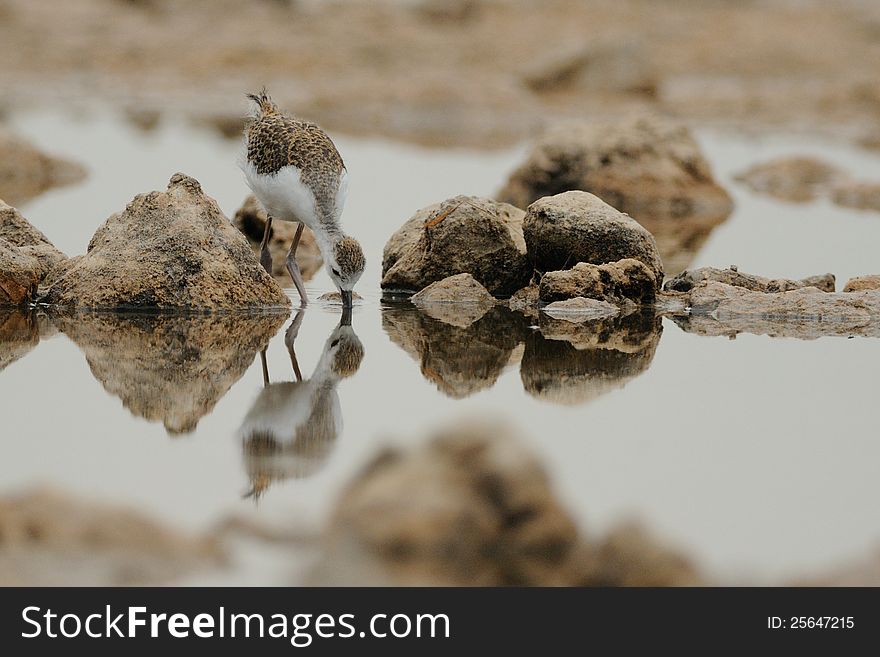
x=345, y=265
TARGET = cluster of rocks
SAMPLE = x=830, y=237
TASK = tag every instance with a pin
x=473, y=507
x=570, y=225
x=800, y=179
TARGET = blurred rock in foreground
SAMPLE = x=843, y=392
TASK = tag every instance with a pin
x=51, y=539
x=475, y=508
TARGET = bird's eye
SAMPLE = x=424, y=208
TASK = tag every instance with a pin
x=334, y=343
x=335, y=272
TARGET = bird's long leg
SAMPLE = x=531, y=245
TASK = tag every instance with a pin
x=265, y=367
x=290, y=337
x=293, y=268
x=265, y=256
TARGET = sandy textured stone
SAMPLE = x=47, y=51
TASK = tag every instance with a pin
x=465, y=234
x=563, y=230
x=19, y=276
x=862, y=283
x=171, y=249
x=687, y=280
x=616, y=282
x=580, y=309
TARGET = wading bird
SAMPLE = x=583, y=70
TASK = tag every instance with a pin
x=295, y=171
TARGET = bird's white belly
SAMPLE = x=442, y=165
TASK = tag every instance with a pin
x=284, y=194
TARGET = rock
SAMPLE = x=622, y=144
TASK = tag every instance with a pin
x=171, y=249
x=628, y=556
x=26, y=172
x=643, y=166
x=806, y=313
x=19, y=334
x=169, y=368
x=250, y=219
x=610, y=66
x=458, y=300
x=796, y=179
x=616, y=282
x=526, y=300
x=861, y=195
x=563, y=230
x=580, y=309
x=19, y=276
x=572, y=363
x=470, y=508
x=337, y=297
x=51, y=539
x=687, y=280
x=29, y=241
x=464, y=234
x=459, y=360
x=862, y=283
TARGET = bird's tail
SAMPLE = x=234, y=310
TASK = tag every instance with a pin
x=264, y=102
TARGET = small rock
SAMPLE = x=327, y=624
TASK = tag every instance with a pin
x=337, y=297
x=458, y=300
x=461, y=288
x=687, y=280
x=18, y=232
x=19, y=276
x=616, y=282
x=526, y=300
x=172, y=249
x=576, y=227
x=250, y=219
x=465, y=234
x=580, y=309
x=796, y=179
x=26, y=172
x=862, y=283
x=861, y=195
x=644, y=166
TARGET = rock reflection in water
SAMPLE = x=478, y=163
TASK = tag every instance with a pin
x=572, y=363
x=19, y=334
x=459, y=360
x=293, y=425
x=169, y=368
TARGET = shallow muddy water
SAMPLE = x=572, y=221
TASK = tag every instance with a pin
x=755, y=456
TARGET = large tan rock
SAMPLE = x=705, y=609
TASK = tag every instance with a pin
x=250, y=219
x=465, y=234
x=26, y=172
x=171, y=249
x=563, y=230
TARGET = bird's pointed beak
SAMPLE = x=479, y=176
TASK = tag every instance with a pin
x=346, y=298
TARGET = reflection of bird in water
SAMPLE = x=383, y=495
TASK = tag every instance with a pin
x=292, y=426
x=298, y=175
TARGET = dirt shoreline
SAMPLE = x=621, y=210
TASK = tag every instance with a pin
x=474, y=72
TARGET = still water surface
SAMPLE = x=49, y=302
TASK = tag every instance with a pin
x=756, y=456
